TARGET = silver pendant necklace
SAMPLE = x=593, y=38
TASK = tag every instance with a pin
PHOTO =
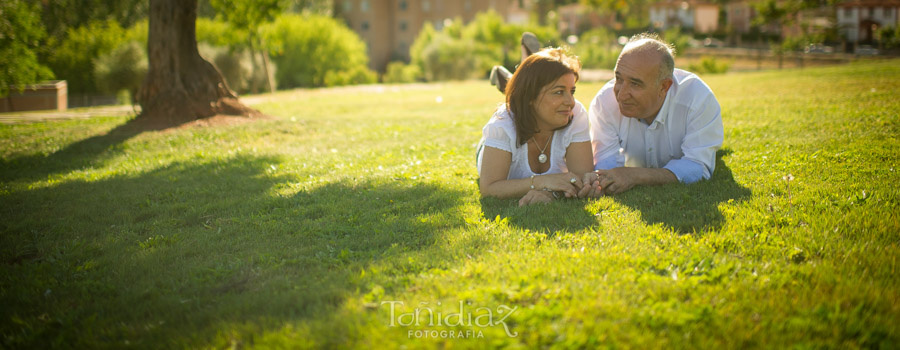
x=542, y=158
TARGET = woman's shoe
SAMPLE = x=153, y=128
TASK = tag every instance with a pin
x=499, y=77
x=530, y=44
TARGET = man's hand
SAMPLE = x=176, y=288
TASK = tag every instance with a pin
x=536, y=196
x=617, y=180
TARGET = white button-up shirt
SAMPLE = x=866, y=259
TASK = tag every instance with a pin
x=683, y=138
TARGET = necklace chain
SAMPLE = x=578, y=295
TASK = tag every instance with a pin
x=542, y=158
x=545, y=145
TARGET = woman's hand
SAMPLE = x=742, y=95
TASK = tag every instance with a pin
x=536, y=196
x=565, y=182
x=591, y=188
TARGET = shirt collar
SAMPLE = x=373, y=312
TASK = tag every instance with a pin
x=663, y=113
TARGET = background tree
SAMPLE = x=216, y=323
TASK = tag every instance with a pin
x=60, y=16
x=632, y=12
x=121, y=70
x=181, y=86
x=249, y=15
x=20, y=36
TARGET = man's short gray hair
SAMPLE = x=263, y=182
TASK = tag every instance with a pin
x=652, y=42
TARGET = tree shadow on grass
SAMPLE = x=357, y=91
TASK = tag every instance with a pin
x=165, y=257
x=83, y=153
x=687, y=208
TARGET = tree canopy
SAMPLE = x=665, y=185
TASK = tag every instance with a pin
x=21, y=33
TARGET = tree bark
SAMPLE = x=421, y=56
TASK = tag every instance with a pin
x=180, y=85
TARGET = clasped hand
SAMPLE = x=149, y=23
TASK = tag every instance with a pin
x=588, y=186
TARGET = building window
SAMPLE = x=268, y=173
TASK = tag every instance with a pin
x=364, y=26
x=426, y=5
x=348, y=6
x=364, y=6
x=402, y=26
x=468, y=5
x=402, y=5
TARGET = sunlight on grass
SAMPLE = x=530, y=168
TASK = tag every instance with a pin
x=296, y=231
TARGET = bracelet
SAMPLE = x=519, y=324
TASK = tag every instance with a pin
x=532, y=182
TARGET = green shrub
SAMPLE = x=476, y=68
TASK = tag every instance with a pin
x=466, y=51
x=709, y=65
x=597, y=48
x=228, y=49
x=219, y=33
x=122, y=69
x=314, y=50
x=447, y=58
x=354, y=76
x=236, y=67
x=889, y=37
x=138, y=32
x=398, y=72
x=677, y=38
x=73, y=59
x=20, y=34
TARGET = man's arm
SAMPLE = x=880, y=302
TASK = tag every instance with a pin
x=618, y=180
x=703, y=137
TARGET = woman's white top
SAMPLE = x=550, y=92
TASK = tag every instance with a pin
x=500, y=133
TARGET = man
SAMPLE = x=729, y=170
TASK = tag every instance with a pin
x=653, y=124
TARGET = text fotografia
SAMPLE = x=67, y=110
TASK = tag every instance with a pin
x=465, y=316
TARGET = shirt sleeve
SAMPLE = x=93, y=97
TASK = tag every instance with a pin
x=497, y=137
x=579, y=130
x=703, y=137
x=604, y=133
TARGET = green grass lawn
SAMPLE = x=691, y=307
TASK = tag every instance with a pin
x=310, y=229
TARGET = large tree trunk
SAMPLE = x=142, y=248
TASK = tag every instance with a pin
x=181, y=86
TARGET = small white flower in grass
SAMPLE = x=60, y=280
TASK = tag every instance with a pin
x=439, y=99
x=788, y=177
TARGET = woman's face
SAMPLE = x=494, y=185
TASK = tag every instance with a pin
x=555, y=102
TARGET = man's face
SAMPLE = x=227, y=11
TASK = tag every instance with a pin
x=638, y=90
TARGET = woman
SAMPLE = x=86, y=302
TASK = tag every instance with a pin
x=537, y=145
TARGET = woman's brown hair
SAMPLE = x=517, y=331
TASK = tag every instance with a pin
x=537, y=71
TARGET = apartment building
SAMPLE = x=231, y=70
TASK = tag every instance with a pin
x=859, y=20
x=701, y=16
